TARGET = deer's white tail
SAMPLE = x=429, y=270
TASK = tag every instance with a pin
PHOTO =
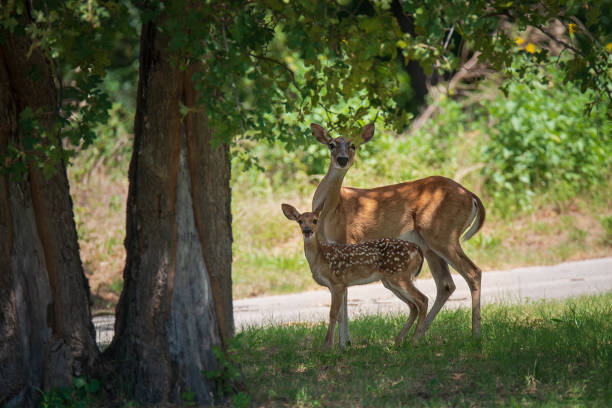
x=477, y=218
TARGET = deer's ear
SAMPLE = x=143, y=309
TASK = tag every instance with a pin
x=290, y=212
x=367, y=133
x=319, y=208
x=320, y=133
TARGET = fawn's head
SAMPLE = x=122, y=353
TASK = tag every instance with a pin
x=307, y=220
x=342, y=150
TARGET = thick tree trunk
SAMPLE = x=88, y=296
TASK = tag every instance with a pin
x=176, y=303
x=46, y=334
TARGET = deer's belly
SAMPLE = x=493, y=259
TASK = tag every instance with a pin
x=362, y=279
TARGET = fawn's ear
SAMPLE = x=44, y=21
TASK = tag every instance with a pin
x=367, y=133
x=320, y=133
x=290, y=212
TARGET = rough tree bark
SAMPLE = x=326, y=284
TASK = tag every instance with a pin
x=176, y=304
x=46, y=334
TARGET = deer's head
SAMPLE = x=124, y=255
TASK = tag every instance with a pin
x=307, y=220
x=342, y=150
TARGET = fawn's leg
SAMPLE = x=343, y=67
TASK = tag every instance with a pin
x=336, y=299
x=404, y=288
x=413, y=311
x=344, y=337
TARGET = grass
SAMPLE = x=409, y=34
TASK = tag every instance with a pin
x=537, y=354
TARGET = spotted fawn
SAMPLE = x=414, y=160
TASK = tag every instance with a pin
x=337, y=266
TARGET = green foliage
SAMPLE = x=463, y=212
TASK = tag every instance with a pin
x=583, y=55
x=541, y=137
x=76, y=37
x=270, y=67
x=188, y=398
x=606, y=223
x=227, y=377
x=82, y=394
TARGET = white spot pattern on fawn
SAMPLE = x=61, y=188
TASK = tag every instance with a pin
x=386, y=255
x=340, y=265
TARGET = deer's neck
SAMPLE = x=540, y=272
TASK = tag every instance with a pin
x=328, y=190
x=316, y=261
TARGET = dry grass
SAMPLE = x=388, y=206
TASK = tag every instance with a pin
x=99, y=207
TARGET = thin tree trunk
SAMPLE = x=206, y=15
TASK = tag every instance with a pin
x=418, y=79
x=46, y=334
x=176, y=303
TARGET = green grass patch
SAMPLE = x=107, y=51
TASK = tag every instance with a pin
x=536, y=354
x=263, y=272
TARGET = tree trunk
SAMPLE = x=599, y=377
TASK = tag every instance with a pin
x=46, y=334
x=176, y=303
x=418, y=79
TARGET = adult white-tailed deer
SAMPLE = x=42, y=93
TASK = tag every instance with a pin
x=432, y=212
x=394, y=262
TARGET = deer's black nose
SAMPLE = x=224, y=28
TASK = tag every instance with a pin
x=342, y=161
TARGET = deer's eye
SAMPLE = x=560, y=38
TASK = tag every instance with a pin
x=332, y=145
x=314, y=221
x=352, y=146
x=300, y=222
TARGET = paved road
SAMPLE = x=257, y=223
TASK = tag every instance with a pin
x=531, y=283
x=536, y=282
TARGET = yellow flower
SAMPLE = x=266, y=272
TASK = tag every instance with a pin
x=572, y=28
x=609, y=47
x=530, y=48
x=519, y=41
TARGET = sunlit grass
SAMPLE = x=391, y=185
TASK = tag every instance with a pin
x=536, y=354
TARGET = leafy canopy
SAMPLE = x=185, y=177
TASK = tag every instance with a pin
x=271, y=66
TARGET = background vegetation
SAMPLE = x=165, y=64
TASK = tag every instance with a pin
x=537, y=157
x=540, y=160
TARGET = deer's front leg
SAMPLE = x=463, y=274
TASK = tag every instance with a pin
x=344, y=336
x=337, y=293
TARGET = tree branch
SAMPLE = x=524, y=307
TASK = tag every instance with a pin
x=273, y=61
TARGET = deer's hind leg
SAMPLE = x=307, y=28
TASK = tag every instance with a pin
x=444, y=283
x=451, y=251
x=417, y=302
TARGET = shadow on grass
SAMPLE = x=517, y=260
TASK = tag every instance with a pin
x=544, y=353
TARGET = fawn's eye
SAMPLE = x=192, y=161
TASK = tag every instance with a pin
x=352, y=146
x=332, y=145
x=314, y=221
x=300, y=222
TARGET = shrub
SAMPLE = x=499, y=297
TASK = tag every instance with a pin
x=543, y=138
